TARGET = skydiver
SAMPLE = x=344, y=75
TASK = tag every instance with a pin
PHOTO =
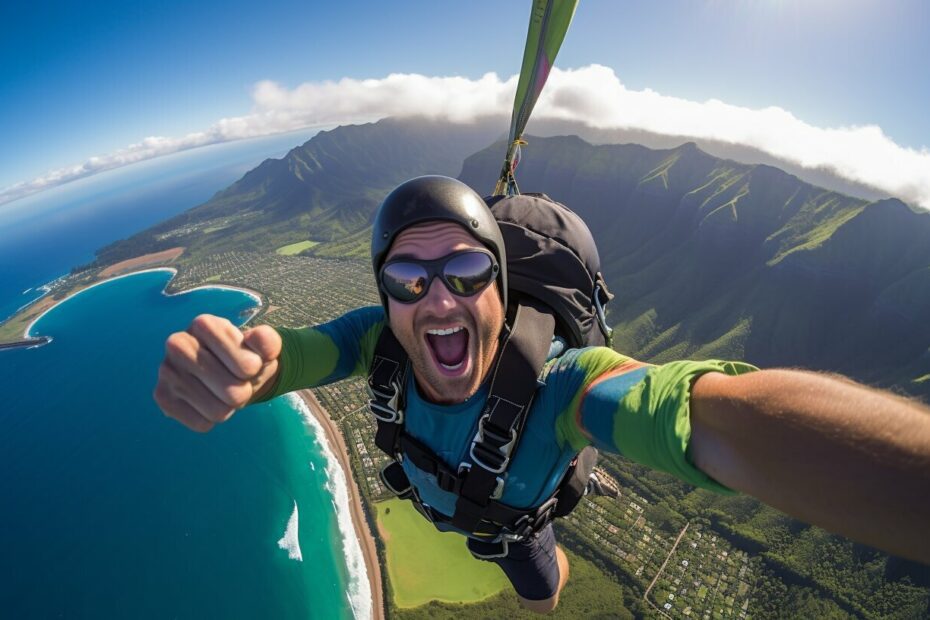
x=819, y=447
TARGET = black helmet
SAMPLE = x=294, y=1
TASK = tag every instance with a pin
x=431, y=198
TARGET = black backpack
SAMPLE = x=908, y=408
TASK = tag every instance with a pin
x=552, y=258
x=555, y=288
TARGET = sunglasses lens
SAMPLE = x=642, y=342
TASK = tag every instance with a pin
x=404, y=282
x=468, y=273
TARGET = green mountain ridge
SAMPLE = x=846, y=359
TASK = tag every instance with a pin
x=708, y=257
x=712, y=258
x=323, y=190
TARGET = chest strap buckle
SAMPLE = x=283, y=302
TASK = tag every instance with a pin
x=493, y=455
x=386, y=406
x=498, y=491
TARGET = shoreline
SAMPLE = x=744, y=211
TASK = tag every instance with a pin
x=254, y=295
x=360, y=525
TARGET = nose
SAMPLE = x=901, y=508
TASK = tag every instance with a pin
x=439, y=298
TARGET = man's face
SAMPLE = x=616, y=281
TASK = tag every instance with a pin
x=449, y=367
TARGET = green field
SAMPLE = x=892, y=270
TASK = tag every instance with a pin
x=296, y=248
x=425, y=565
x=589, y=593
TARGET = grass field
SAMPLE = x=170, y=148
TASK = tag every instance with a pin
x=589, y=594
x=296, y=248
x=425, y=565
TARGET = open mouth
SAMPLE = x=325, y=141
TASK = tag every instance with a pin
x=449, y=347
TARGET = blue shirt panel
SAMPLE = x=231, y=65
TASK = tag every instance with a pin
x=537, y=467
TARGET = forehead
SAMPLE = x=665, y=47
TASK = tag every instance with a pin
x=432, y=240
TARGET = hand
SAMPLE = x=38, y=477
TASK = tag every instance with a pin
x=213, y=369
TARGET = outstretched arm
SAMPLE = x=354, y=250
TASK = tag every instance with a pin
x=820, y=448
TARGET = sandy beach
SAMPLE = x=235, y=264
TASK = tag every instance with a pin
x=367, y=541
x=133, y=264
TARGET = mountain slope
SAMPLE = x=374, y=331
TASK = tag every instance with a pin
x=709, y=257
x=324, y=190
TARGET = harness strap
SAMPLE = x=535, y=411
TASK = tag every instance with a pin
x=479, y=483
x=501, y=424
x=569, y=492
x=420, y=455
x=386, y=381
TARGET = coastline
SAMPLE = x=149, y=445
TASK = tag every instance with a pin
x=365, y=538
x=364, y=563
x=255, y=295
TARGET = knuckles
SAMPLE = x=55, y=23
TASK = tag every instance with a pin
x=217, y=412
x=265, y=341
x=164, y=389
x=250, y=363
x=237, y=395
x=207, y=323
x=178, y=345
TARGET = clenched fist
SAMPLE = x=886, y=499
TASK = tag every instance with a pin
x=213, y=368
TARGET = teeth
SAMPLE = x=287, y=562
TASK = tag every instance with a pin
x=444, y=332
x=456, y=367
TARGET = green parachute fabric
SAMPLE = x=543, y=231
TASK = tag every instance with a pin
x=549, y=21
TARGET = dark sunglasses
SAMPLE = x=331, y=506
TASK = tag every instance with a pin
x=464, y=273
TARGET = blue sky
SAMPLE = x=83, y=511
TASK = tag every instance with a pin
x=84, y=79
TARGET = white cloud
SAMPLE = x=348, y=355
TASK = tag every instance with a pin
x=592, y=94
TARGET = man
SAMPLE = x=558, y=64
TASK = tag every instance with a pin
x=821, y=448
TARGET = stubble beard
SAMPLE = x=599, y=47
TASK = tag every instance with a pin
x=436, y=386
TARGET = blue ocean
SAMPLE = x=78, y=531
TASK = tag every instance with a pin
x=112, y=510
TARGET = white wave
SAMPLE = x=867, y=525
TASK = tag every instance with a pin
x=26, y=291
x=290, y=542
x=359, y=590
x=312, y=466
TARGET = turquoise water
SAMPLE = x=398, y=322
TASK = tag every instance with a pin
x=112, y=510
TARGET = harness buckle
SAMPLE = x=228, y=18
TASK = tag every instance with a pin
x=509, y=536
x=601, y=313
x=498, y=491
x=388, y=411
x=530, y=523
x=485, y=453
x=544, y=514
x=385, y=413
x=395, y=479
x=446, y=480
x=505, y=441
x=522, y=528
